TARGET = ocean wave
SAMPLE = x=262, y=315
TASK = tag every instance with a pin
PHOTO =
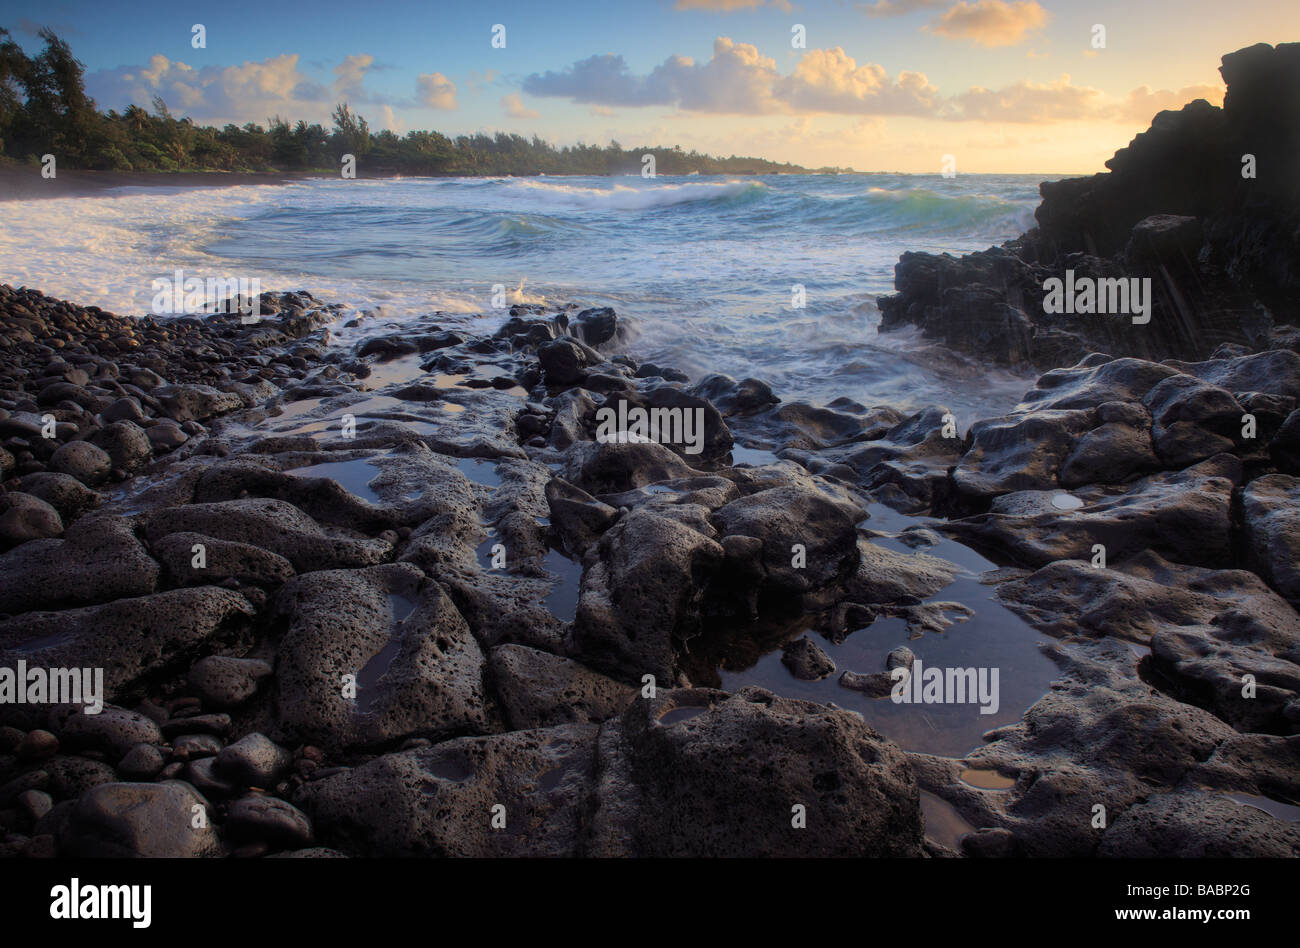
x=622, y=197
x=704, y=246
x=909, y=209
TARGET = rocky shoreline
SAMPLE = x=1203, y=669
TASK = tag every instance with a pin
x=399, y=596
x=430, y=512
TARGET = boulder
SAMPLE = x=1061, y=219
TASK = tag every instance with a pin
x=151, y=820
x=1271, y=516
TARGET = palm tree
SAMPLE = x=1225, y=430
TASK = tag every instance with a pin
x=136, y=118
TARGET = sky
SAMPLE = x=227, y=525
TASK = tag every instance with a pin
x=1013, y=86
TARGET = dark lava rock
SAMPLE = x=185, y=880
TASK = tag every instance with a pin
x=99, y=559
x=115, y=731
x=224, y=682
x=537, y=689
x=565, y=361
x=220, y=560
x=806, y=660
x=253, y=761
x=673, y=781
x=268, y=819
x=153, y=820
x=417, y=667
x=595, y=326
x=272, y=525
x=65, y=494
x=1184, y=515
x=641, y=593
x=82, y=460
x=735, y=398
x=672, y=776
x=1271, y=515
x=24, y=517
x=130, y=638
x=143, y=763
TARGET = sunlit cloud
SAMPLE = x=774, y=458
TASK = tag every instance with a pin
x=1030, y=102
x=739, y=80
x=990, y=22
x=515, y=108
x=1143, y=103
x=436, y=91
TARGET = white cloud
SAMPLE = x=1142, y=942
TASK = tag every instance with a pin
x=436, y=91
x=515, y=107
x=738, y=79
x=1030, y=102
x=248, y=92
x=388, y=119
x=828, y=80
x=352, y=73
x=990, y=22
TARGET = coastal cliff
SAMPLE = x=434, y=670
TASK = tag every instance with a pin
x=1205, y=204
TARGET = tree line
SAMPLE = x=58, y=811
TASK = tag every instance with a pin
x=44, y=109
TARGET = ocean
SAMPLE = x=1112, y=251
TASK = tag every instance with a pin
x=703, y=268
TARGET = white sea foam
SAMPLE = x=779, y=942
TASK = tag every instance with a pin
x=622, y=197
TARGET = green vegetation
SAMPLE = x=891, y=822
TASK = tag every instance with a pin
x=44, y=109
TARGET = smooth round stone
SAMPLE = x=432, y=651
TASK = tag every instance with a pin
x=1066, y=502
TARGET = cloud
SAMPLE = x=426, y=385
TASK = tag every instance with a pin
x=596, y=80
x=736, y=79
x=990, y=22
x=828, y=80
x=477, y=82
x=352, y=73
x=515, y=107
x=1029, y=102
x=898, y=7
x=389, y=120
x=1142, y=103
x=739, y=80
x=436, y=91
x=248, y=92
